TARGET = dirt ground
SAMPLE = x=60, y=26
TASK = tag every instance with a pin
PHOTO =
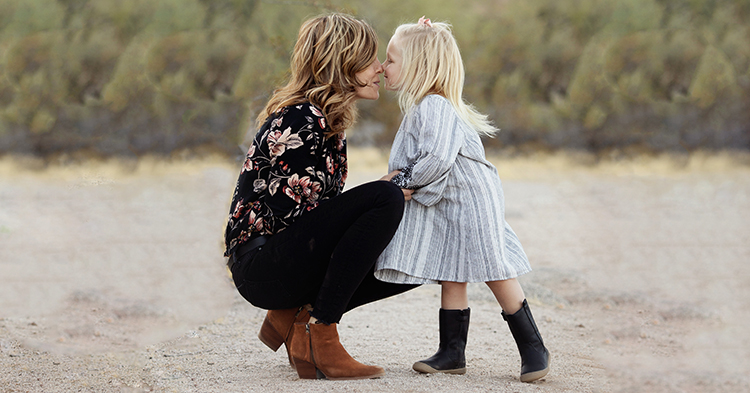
x=112, y=280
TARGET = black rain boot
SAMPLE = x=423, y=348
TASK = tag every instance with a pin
x=450, y=357
x=534, y=356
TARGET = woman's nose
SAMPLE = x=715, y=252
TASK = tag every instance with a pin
x=379, y=69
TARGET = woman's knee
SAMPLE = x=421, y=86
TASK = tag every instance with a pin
x=391, y=192
x=383, y=193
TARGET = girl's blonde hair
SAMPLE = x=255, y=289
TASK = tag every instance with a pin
x=431, y=64
x=330, y=51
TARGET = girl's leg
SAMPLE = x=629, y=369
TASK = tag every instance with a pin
x=534, y=355
x=453, y=295
x=508, y=293
x=454, y=329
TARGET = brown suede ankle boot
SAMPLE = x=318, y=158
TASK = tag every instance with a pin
x=318, y=353
x=278, y=326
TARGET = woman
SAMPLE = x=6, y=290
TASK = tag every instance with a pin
x=297, y=245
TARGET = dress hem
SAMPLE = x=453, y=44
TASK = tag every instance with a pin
x=406, y=278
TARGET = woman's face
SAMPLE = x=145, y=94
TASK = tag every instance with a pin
x=392, y=64
x=370, y=76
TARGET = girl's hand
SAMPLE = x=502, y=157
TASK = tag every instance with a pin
x=407, y=192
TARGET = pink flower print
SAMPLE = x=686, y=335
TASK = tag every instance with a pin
x=273, y=140
x=315, y=111
x=258, y=223
x=248, y=165
x=302, y=187
x=344, y=169
x=278, y=142
x=329, y=164
x=340, y=142
x=276, y=123
x=259, y=185
x=322, y=122
x=238, y=209
x=255, y=221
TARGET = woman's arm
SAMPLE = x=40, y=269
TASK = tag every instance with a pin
x=289, y=182
x=389, y=177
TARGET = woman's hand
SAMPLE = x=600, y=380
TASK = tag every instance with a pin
x=390, y=176
x=407, y=192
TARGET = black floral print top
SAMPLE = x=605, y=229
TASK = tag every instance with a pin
x=290, y=168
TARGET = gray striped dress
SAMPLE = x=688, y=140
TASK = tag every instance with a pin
x=454, y=226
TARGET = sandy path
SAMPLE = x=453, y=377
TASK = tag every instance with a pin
x=111, y=279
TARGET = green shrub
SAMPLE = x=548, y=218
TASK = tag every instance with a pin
x=117, y=77
x=715, y=80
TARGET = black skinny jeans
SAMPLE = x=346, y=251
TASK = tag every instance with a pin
x=326, y=257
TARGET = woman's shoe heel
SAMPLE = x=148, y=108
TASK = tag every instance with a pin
x=305, y=370
x=269, y=336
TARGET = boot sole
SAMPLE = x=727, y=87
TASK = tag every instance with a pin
x=425, y=369
x=378, y=375
x=307, y=370
x=533, y=376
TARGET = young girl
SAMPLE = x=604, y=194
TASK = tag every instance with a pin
x=453, y=230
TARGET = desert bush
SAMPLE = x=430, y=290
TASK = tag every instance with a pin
x=114, y=77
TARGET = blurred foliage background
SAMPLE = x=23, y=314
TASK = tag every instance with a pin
x=129, y=77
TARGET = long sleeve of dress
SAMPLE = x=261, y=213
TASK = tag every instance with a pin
x=438, y=143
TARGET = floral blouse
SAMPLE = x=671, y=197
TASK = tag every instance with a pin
x=290, y=168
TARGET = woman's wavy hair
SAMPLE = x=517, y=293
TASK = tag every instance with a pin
x=330, y=51
x=432, y=64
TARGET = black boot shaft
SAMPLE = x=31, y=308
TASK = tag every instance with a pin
x=534, y=355
x=454, y=331
x=450, y=357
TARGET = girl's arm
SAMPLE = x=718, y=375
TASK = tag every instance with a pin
x=439, y=138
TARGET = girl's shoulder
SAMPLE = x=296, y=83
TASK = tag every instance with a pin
x=433, y=104
x=434, y=100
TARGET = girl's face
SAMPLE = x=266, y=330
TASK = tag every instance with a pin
x=370, y=76
x=392, y=64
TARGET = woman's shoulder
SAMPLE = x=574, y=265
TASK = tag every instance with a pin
x=305, y=108
x=304, y=113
